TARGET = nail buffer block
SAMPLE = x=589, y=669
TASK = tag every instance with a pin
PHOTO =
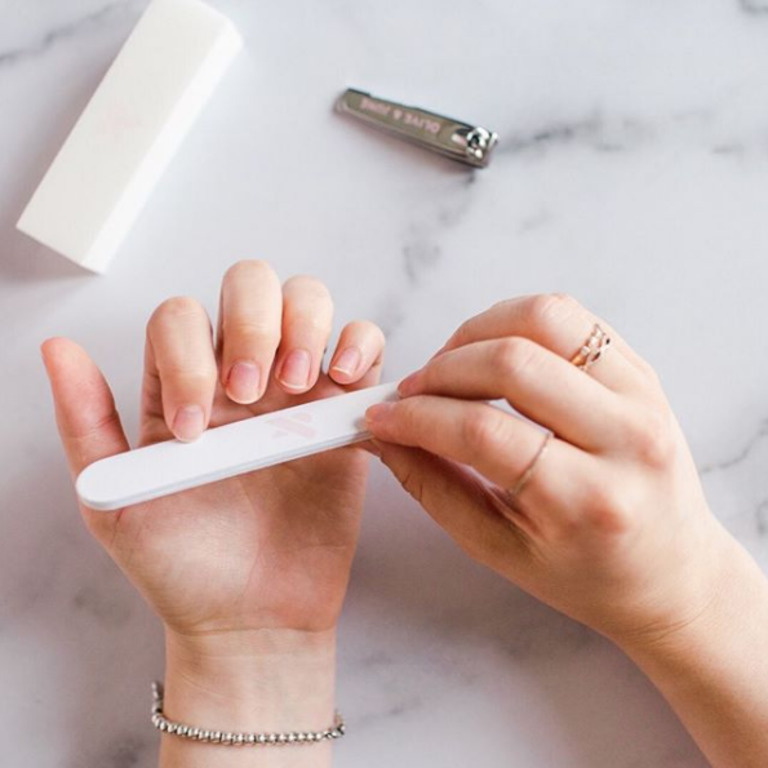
x=128, y=133
x=243, y=446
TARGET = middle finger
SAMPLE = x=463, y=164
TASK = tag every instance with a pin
x=249, y=328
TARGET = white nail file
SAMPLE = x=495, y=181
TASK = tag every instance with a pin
x=130, y=130
x=243, y=446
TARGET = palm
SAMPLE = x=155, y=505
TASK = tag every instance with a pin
x=270, y=548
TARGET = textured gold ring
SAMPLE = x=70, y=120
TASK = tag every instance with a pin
x=596, y=345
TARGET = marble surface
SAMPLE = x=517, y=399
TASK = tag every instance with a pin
x=632, y=173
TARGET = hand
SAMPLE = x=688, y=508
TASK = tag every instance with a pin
x=609, y=525
x=613, y=528
x=255, y=566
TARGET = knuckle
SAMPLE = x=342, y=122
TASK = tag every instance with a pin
x=551, y=308
x=480, y=431
x=413, y=483
x=251, y=329
x=189, y=375
x=652, y=438
x=512, y=356
x=608, y=511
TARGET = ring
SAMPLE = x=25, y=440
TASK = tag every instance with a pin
x=592, y=349
x=525, y=478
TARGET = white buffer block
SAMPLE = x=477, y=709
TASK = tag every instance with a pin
x=243, y=446
x=128, y=133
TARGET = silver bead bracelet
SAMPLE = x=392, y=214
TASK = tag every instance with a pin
x=239, y=739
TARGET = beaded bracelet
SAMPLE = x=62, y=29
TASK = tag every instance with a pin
x=238, y=739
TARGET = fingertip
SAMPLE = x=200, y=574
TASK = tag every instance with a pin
x=348, y=365
x=296, y=375
x=409, y=385
x=243, y=383
x=188, y=423
x=377, y=416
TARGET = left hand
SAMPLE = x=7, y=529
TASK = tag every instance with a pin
x=268, y=549
x=248, y=574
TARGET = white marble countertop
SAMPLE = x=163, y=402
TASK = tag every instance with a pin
x=632, y=173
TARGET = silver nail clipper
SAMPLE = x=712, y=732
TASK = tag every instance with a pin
x=460, y=141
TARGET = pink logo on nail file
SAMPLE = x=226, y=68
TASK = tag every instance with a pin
x=293, y=425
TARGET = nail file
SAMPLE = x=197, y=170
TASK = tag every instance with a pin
x=130, y=130
x=243, y=446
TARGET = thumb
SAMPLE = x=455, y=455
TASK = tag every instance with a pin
x=89, y=425
x=456, y=499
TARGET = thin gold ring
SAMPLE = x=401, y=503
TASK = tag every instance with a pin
x=525, y=478
x=597, y=344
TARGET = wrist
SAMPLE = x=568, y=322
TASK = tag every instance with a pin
x=718, y=597
x=256, y=680
x=710, y=669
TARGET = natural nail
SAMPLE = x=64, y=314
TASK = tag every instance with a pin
x=408, y=385
x=296, y=369
x=348, y=361
x=378, y=413
x=189, y=422
x=244, y=381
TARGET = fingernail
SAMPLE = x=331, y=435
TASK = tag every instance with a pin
x=243, y=382
x=408, y=385
x=348, y=361
x=296, y=368
x=440, y=351
x=378, y=413
x=189, y=422
x=372, y=447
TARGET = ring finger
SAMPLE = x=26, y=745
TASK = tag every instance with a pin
x=562, y=325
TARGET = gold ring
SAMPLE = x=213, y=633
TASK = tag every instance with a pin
x=525, y=478
x=592, y=349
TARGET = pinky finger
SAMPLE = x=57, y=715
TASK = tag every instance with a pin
x=358, y=355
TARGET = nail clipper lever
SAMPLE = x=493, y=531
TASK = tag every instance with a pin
x=460, y=141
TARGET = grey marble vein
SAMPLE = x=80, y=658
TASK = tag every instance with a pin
x=755, y=440
x=761, y=518
x=405, y=706
x=420, y=252
x=62, y=33
x=754, y=7
x=100, y=603
x=553, y=134
x=126, y=752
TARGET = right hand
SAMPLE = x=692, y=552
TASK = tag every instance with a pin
x=613, y=528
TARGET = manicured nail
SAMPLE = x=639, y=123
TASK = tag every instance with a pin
x=408, y=385
x=244, y=380
x=348, y=361
x=378, y=413
x=296, y=369
x=189, y=422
